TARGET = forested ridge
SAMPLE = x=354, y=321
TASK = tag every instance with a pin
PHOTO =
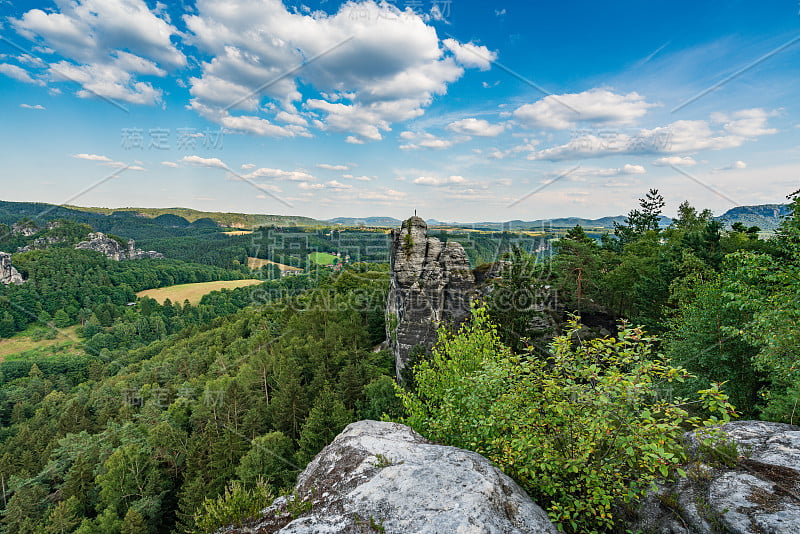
x=181, y=418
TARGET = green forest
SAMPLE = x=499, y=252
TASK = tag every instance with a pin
x=181, y=418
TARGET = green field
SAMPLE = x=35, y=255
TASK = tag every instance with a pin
x=26, y=342
x=193, y=292
x=322, y=258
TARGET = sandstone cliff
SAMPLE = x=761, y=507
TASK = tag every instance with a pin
x=431, y=284
x=384, y=477
x=8, y=274
x=100, y=242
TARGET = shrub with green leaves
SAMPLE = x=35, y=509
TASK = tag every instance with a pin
x=585, y=430
x=234, y=507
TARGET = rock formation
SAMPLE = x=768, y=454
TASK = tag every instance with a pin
x=431, y=283
x=26, y=228
x=384, y=477
x=757, y=492
x=8, y=274
x=100, y=242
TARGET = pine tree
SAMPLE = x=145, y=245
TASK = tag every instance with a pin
x=327, y=418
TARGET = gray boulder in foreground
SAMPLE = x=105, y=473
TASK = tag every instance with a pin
x=384, y=477
x=760, y=493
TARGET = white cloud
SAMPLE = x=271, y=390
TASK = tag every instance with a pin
x=680, y=137
x=358, y=178
x=330, y=167
x=110, y=43
x=35, y=106
x=417, y=140
x=198, y=161
x=18, y=73
x=736, y=165
x=632, y=169
x=247, y=166
x=170, y=164
x=686, y=161
x=746, y=122
x=476, y=127
x=470, y=55
x=599, y=107
x=434, y=181
x=374, y=66
x=280, y=174
x=92, y=157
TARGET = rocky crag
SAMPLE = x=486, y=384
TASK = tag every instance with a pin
x=431, y=284
x=8, y=273
x=384, y=477
x=751, y=488
x=100, y=242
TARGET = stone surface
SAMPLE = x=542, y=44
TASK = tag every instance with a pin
x=431, y=284
x=384, y=477
x=100, y=242
x=758, y=495
x=8, y=273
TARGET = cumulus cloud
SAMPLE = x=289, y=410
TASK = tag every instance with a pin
x=108, y=44
x=417, y=140
x=746, y=123
x=330, y=167
x=280, y=174
x=684, y=136
x=197, y=161
x=471, y=55
x=686, y=161
x=108, y=162
x=374, y=66
x=358, y=178
x=170, y=164
x=476, y=127
x=19, y=74
x=435, y=181
x=36, y=106
x=598, y=107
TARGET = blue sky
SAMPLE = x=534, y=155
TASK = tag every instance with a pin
x=462, y=110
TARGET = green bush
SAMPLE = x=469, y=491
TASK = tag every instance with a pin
x=584, y=430
x=234, y=507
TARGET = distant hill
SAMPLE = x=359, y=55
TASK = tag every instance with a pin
x=765, y=216
x=231, y=220
x=366, y=221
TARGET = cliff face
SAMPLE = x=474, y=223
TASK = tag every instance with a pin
x=8, y=274
x=100, y=242
x=431, y=283
x=384, y=477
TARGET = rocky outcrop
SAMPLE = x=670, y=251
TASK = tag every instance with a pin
x=754, y=488
x=384, y=477
x=25, y=228
x=8, y=273
x=431, y=283
x=100, y=242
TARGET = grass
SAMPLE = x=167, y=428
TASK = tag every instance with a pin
x=193, y=292
x=24, y=342
x=323, y=258
x=257, y=263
